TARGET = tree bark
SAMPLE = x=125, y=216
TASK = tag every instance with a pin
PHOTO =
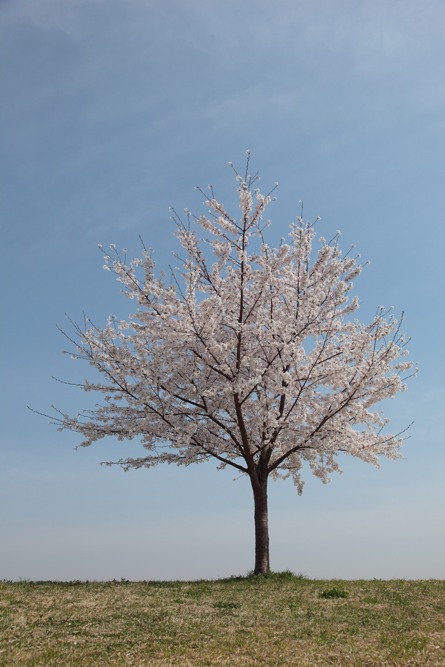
x=262, y=560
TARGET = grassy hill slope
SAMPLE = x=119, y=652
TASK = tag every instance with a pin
x=277, y=620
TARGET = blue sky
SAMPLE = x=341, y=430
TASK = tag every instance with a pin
x=111, y=112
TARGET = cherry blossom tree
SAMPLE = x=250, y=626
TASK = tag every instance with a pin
x=246, y=354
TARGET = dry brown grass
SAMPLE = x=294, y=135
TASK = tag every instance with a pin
x=276, y=621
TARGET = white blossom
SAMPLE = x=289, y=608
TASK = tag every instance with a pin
x=255, y=360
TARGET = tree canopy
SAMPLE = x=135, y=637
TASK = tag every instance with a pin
x=245, y=353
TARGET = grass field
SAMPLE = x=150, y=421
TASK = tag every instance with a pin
x=277, y=620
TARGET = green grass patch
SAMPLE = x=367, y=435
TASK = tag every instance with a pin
x=274, y=620
x=332, y=593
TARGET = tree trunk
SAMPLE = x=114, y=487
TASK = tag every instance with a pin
x=262, y=562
